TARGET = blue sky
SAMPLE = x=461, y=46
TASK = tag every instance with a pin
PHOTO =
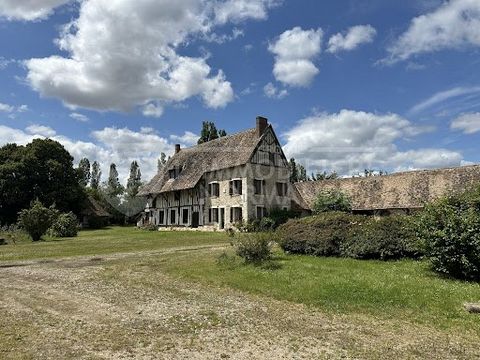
x=348, y=84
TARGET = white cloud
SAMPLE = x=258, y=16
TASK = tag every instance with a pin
x=152, y=110
x=468, y=123
x=442, y=97
x=79, y=117
x=353, y=38
x=272, y=92
x=294, y=51
x=6, y=108
x=453, y=25
x=124, y=54
x=351, y=141
x=41, y=130
x=187, y=139
x=28, y=10
x=23, y=108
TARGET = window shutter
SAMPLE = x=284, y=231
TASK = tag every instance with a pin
x=231, y=214
x=231, y=188
x=240, y=187
x=210, y=215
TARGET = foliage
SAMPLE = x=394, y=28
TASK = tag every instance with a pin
x=42, y=170
x=450, y=232
x=149, y=227
x=324, y=176
x=113, y=187
x=37, y=219
x=14, y=234
x=320, y=235
x=65, y=225
x=253, y=247
x=293, y=170
x=134, y=180
x=331, y=200
x=161, y=162
x=96, y=175
x=386, y=238
x=209, y=132
x=280, y=216
x=266, y=224
x=84, y=172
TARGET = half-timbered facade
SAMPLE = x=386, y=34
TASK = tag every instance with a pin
x=217, y=184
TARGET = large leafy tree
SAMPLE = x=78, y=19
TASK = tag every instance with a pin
x=134, y=180
x=161, y=162
x=84, y=172
x=95, y=175
x=209, y=132
x=41, y=170
x=113, y=188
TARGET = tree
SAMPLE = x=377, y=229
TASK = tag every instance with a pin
x=293, y=171
x=324, y=176
x=95, y=175
x=84, y=172
x=41, y=170
x=37, y=219
x=331, y=200
x=161, y=162
x=134, y=180
x=209, y=132
x=302, y=173
x=113, y=188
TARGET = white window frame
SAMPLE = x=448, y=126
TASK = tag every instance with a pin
x=264, y=211
x=263, y=184
x=231, y=185
x=210, y=188
x=182, y=209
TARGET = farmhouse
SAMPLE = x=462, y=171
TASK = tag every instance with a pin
x=221, y=182
x=243, y=176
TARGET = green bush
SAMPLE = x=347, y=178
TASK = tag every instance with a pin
x=253, y=247
x=450, y=232
x=266, y=224
x=65, y=225
x=37, y=219
x=331, y=200
x=386, y=238
x=280, y=216
x=319, y=235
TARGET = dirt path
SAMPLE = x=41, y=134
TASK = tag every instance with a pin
x=84, y=309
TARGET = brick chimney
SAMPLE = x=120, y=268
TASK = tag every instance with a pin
x=262, y=124
x=177, y=148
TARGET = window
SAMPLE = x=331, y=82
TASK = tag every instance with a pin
x=176, y=195
x=173, y=217
x=161, y=217
x=261, y=212
x=213, y=215
x=185, y=216
x=173, y=173
x=214, y=189
x=259, y=186
x=281, y=189
x=154, y=203
x=236, y=187
x=236, y=214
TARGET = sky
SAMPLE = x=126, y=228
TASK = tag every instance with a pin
x=347, y=84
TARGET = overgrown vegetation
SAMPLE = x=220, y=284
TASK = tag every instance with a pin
x=253, y=247
x=37, y=219
x=331, y=200
x=356, y=236
x=65, y=225
x=450, y=232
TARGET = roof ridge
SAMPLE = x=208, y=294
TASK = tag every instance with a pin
x=219, y=138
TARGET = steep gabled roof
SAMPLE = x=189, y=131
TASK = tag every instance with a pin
x=222, y=153
x=404, y=190
x=92, y=207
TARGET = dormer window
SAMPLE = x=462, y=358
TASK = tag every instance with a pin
x=173, y=173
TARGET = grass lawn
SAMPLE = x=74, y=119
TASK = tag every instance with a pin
x=107, y=241
x=405, y=290
x=401, y=299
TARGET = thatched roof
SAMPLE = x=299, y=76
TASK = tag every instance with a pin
x=92, y=207
x=405, y=190
x=222, y=153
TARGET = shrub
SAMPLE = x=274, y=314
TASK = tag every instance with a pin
x=37, y=219
x=386, y=238
x=254, y=247
x=266, y=224
x=450, y=232
x=65, y=225
x=149, y=227
x=280, y=216
x=319, y=235
x=331, y=200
